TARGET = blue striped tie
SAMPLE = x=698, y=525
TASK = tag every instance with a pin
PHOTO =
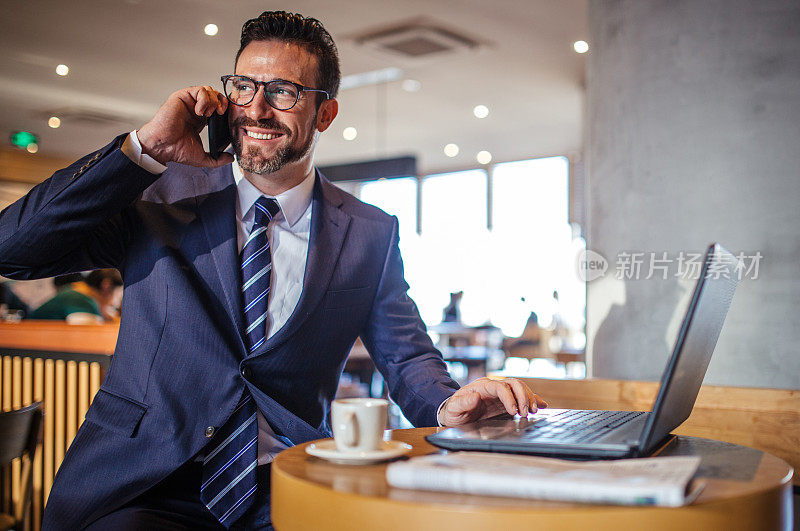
x=229, y=467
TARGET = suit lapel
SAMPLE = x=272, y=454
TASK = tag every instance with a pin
x=328, y=229
x=216, y=200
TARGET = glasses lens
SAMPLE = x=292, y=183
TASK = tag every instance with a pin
x=240, y=90
x=281, y=95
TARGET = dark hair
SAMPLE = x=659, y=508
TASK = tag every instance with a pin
x=69, y=278
x=95, y=278
x=300, y=30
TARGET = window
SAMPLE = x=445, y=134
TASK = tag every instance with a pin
x=452, y=246
x=506, y=272
x=532, y=245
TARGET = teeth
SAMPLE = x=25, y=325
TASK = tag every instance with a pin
x=261, y=136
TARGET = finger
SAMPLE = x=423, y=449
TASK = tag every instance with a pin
x=503, y=391
x=540, y=401
x=213, y=100
x=223, y=103
x=521, y=395
x=191, y=97
x=531, y=399
x=207, y=101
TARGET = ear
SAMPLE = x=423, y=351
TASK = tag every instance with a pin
x=326, y=113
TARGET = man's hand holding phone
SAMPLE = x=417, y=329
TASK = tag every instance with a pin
x=173, y=135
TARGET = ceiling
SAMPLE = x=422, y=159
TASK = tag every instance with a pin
x=126, y=56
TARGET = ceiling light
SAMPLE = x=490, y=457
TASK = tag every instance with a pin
x=580, y=46
x=373, y=77
x=62, y=70
x=411, y=85
x=451, y=150
x=211, y=30
x=483, y=157
x=33, y=147
x=54, y=122
x=349, y=133
x=480, y=111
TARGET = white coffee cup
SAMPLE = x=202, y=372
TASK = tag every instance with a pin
x=358, y=423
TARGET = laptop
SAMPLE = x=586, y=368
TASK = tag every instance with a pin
x=572, y=433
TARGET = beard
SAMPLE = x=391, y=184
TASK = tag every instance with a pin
x=253, y=160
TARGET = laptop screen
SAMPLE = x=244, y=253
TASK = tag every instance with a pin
x=694, y=345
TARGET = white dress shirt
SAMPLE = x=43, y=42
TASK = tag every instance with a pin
x=288, y=234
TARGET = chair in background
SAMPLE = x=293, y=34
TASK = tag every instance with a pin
x=19, y=436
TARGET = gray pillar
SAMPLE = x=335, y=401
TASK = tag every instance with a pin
x=694, y=136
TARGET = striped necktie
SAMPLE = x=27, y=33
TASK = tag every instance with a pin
x=256, y=268
x=229, y=467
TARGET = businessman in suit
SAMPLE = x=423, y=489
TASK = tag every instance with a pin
x=247, y=280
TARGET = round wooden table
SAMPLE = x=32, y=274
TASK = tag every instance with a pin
x=745, y=489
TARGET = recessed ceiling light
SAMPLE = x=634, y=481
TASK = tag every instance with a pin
x=372, y=77
x=483, y=157
x=62, y=70
x=211, y=30
x=33, y=147
x=451, y=150
x=580, y=46
x=54, y=122
x=480, y=111
x=349, y=133
x=411, y=85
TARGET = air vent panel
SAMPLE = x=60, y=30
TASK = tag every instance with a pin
x=416, y=40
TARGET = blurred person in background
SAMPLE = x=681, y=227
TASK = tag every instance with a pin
x=452, y=312
x=94, y=298
x=11, y=306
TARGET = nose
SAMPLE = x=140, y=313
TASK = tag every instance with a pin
x=259, y=108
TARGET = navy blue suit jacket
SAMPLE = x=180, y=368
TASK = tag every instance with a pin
x=180, y=362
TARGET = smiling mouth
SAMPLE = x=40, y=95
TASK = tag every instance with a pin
x=262, y=136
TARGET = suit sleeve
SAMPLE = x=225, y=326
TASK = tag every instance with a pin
x=78, y=219
x=397, y=339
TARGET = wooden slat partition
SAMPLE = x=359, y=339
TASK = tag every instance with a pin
x=766, y=419
x=62, y=366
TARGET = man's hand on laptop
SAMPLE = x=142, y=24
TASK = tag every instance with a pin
x=485, y=398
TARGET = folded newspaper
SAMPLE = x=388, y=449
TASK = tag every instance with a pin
x=664, y=481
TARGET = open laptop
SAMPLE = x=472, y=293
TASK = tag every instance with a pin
x=615, y=434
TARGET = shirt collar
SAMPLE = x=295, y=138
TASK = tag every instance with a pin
x=293, y=202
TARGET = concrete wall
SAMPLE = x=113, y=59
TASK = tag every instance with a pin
x=693, y=136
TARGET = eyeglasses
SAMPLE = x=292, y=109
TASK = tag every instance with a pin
x=280, y=94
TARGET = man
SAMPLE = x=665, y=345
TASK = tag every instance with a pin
x=245, y=286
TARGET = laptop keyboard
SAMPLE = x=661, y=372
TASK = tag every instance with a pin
x=578, y=426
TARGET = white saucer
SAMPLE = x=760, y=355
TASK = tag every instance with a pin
x=327, y=450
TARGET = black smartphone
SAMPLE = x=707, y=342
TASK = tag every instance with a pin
x=219, y=134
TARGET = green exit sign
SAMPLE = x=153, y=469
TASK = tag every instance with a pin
x=23, y=139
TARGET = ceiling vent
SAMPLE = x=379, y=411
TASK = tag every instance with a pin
x=416, y=40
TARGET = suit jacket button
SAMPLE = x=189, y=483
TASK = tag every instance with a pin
x=210, y=432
